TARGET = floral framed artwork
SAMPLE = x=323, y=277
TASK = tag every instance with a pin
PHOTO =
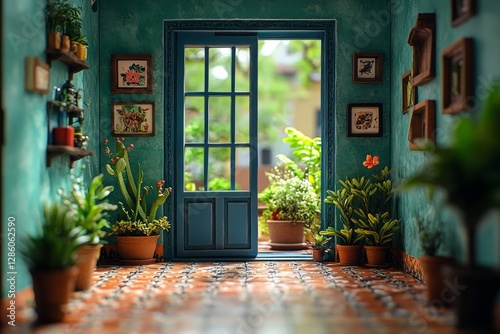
x=461, y=11
x=367, y=67
x=364, y=120
x=133, y=119
x=131, y=74
x=457, y=83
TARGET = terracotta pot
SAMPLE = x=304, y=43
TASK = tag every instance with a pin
x=376, y=255
x=137, y=248
x=87, y=257
x=65, y=43
x=54, y=40
x=317, y=255
x=432, y=274
x=62, y=135
x=285, y=235
x=52, y=290
x=349, y=255
x=74, y=47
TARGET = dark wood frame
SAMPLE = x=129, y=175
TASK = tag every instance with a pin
x=422, y=124
x=151, y=121
x=405, y=81
x=467, y=11
x=460, y=51
x=377, y=65
x=115, y=73
x=422, y=39
x=351, y=128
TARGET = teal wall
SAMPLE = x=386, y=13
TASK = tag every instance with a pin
x=482, y=29
x=363, y=26
x=26, y=181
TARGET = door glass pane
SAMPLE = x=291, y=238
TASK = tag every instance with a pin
x=194, y=119
x=193, y=168
x=194, y=69
x=242, y=168
x=219, y=119
x=219, y=169
x=242, y=75
x=242, y=119
x=219, y=70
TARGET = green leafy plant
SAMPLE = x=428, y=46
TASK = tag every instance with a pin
x=139, y=213
x=53, y=248
x=289, y=197
x=91, y=208
x=319, y=241
x=467, y=170
x=431, y=238
x=364, y=205
x=74, y=26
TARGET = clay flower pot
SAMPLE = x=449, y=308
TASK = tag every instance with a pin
x=433, y=276
x=376, y=255
x=349, y=255
x=317, y=255
x=87, y=257
x=54, y=40
x=137, y=249
x=286, y=235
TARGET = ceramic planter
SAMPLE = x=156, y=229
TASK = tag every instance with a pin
x=54, y=40
x=52, y=291
x=376, y=256
x=349, y=255
x=433, y=276
x=87, y=257
x=137, y=249
x=285, y=235
x=65, y=43
x=317, y=255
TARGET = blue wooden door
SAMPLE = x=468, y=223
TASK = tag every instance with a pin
x=216, y=146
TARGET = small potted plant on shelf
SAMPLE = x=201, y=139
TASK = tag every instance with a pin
x=467, y=172
x=78, y=40
x=91, y=208
x=318, y=245
x=431, y=240
x=292, y=205
x=138, y=229
x=51, y=256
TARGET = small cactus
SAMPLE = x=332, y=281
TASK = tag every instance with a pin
x=133, y=192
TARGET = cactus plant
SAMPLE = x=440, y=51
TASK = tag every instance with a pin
x=134, y=193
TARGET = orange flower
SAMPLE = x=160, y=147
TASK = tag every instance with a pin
x=370, y=162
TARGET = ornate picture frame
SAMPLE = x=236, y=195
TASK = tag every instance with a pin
x=133, y=119
x=364, y=120
x=131, y=74
x=366, y=67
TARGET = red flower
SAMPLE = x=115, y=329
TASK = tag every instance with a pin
x=132, y=77
x=370, y=162
x=105, y=141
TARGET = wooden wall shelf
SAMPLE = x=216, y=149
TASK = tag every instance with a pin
x=423, y=40
x=70, y=109
x=422, y=124
x=74, y=153
x=69, y=58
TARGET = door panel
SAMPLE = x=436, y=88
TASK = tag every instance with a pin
x=216, y=134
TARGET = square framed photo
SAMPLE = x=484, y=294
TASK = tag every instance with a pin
x=133, y=119
x=461, y=11
x=409, y=92
x=457, y=83
x=364, y=120
x=367, y=67
x=37, y=75
x=131, y=74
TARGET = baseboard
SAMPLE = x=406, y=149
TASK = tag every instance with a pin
x=407, y=263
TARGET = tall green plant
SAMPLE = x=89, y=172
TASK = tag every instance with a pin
x=134, y=194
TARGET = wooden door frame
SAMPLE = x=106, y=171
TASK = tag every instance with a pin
x=265, y=29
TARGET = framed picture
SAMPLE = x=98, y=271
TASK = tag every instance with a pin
x=409, y=92
x=422, y=124
x=37, y=75
x=457, y=89
x=367, y=67
x=422, y=40
x=461, y=11
x=364, y=120
x=131, y=74
x=133, y=119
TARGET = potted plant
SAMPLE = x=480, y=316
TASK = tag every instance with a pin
x=91, y=208
x=74, y=26
x=431, y=240
x=467, y=172
x=292, y=205
x=50, y=257
x=138, y=229
x=349, y=250
x=318, y=246
x=55, y=17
